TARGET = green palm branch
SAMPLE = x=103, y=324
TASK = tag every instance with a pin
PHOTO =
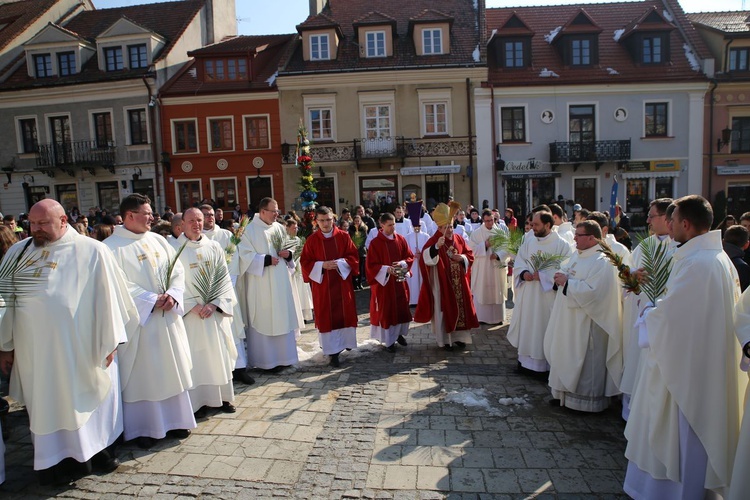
x=164, y=272
x=19, y=277
x=236, y=238
x=359, y=238
x=280, y=241
x=509, y=241
x=545, y=260
x=298, y=249
x=658, y=264
x=211, y=281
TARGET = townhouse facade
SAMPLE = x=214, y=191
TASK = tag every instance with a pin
x=221, y=130
x=581, y=98
x=385, y=92
x=81, y=102
x=727, y=110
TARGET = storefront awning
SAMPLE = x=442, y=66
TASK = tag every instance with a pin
x=436, y=170
x=648, y=175
x=529, y=175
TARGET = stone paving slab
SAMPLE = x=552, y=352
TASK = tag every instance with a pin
x=423, y=423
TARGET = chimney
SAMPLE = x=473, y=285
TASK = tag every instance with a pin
x=316, y=6
x=221, y=20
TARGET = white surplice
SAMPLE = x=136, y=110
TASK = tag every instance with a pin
x=272, y=320
x=740, y=484
x=583, y=341
x=404, y=227
x=416, y=241
x=304, y=293
x=211, y=341
x=533, y=301
x=489, y=277
x=61, y=333
x=566, y=232
x=159, y=349
x=689, y=371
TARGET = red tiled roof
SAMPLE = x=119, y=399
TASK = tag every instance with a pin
x=729, y=22
x=19, y=16
x=616, y=65
x=264, y=66
x=680, y=19
x=464, y=35
x=168, y=19
x=374, y=17
x=642, y=23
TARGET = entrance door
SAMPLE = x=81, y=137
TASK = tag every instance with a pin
x=60, y=135
x=738, y=199
x=257, y=189
x=326, y=192
x=437, y=189
x=109, y=196
x=188, y=194
x=225, y=193
x=144, y=187
x=584, y=193
x=34, y=194
x=515, y=197
x=542, y=191
x=67, y=195
x=581, y=125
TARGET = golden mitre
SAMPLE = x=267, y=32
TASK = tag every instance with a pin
x=443, y=214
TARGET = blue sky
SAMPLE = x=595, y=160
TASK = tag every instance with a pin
x=263, y=17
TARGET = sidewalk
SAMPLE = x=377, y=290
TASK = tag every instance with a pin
x=421, y=423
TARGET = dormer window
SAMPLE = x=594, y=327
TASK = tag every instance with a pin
x=513, y=54
x=66, y=63
x=319, y=48
x=43, y=65
x=432, y=41
x=739, y=59
x=580, y=52
x=221, y=70
x=375, y=43
x=113, y=58
x=137, y=56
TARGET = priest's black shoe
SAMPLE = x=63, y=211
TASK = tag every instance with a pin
x=201, y=413
x=178, y=433
x=105, y=462
x=401, y=340
x=145, y=442
x=391, y=348
x=52, y=476
x=448, y=347
x=335, y=361
x=228, y=407
x=554, y=402
x=241, y=375
x=460, y=345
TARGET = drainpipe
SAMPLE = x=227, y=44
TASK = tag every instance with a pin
x=714, y=84
x=151, y=106
x=471, y=149
x=494, y=147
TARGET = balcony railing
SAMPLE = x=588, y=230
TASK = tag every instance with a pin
x=387, y=147
x=71, y=156
x=594, y=152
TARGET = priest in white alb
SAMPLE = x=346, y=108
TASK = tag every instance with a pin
x=534, y=293
x=740, y=484
x=209, y=305
x=562, y=227
x=416, y=241
x=224, y=237
x=304, y=292
x=583, y=341
x=403, y=224
x=609, y=238
x=72, y=309
x=686, y=409
x=489, y=274
x=273, y=321
x=159, y=349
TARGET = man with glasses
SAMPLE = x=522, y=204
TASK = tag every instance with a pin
x=271, y=313
x=489, y=276
x=634, y=304
x=535, y=294
x=159, y=351
x=328, y=258
x=686, y=408
x=583, y=341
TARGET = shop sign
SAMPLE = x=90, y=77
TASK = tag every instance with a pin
x=522, y=166
x=665, y=165
x=377, y=183
x=638, y=166
x=734, y=170
x=434, y=170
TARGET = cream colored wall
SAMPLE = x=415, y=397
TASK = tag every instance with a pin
x=445, y=36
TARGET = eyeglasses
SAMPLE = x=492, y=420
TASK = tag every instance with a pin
x=649, y=216
x=579, y=235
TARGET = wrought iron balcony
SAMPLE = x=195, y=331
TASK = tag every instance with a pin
x=591, y=152
x=71, y=156
x=388, y=147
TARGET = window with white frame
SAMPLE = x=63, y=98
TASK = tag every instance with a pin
x=184, y=136
x=137, y=126
x=257, y=132
x=66, y=63
x=137, y=56
x=739, y=59
x=320, y=124
x=432, y=41
x=221, y=135
x=656, y=119
x=435, y=118
x=27, y=134
x=113, y=58
x=319, y=47
x=377, y=121
x=375, y=43
x=42, y=65
x=102, y=125
x=513, y=123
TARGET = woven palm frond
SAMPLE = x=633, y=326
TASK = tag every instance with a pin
x=658, y=264
x=211, y=281
x=164, y=272
x=544, y=260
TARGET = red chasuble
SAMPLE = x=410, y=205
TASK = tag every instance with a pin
x=333, y=298
x=389, y=304
x=455, y=294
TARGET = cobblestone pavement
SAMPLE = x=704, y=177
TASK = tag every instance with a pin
x=421, y=423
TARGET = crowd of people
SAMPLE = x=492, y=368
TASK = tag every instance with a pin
x=195, y=302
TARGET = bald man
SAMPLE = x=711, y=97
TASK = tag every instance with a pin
x=176, y=230
x=59, y=341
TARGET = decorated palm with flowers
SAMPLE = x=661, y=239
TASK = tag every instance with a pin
x=236, y=238
x=305, y=165
x=628, y=279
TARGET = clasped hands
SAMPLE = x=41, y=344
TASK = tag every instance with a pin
x=560, y=279
x=165, y=302
x=284, y=254
x=204, y=311
x=330, y=265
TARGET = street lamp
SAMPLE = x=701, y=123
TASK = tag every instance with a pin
x=726, y=137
